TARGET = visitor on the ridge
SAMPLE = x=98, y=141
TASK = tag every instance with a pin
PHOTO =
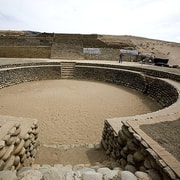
x=120, y=58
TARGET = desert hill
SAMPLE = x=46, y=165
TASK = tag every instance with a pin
x=158, y=48
x=151, y=47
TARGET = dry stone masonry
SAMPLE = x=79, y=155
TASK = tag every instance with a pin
x=121, y=138
x=18, y=142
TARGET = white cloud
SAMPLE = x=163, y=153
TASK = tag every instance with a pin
x=149, y=18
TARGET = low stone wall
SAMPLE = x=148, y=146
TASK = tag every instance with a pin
x=25, y=51
x=14, y=76
x=18, y=142
x=155, y=72
x=161, y=91
x=116, y=76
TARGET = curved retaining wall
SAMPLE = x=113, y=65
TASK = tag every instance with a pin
x=120, y=139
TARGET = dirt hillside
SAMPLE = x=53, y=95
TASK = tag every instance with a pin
x=158, y=48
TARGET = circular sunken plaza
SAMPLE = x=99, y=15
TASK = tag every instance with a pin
x=80, y=111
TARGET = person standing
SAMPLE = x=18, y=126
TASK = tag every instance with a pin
x=120, y=58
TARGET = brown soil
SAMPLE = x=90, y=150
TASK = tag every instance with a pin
x=71, y=111
x=167, y=134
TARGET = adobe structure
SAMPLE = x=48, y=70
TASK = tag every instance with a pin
x=59, y=46
x=122, y=138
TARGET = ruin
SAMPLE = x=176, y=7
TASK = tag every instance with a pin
x=122, y=138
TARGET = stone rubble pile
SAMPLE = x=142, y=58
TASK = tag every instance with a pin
x=76, y=172
x=18, y=144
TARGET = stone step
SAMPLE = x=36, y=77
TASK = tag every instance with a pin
x=76, y=172
x=67, y=70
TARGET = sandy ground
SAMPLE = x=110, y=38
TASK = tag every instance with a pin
x=158, y=48
x=71, y=111
x=167, y=134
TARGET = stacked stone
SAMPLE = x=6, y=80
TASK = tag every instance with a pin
x=76, y=172
x=163, y=92
x=29, y=144
x=17, y=145
x=133, y=153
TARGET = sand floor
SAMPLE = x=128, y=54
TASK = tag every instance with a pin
x=72, y=111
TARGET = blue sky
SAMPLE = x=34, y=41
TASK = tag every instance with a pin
x=158, y=19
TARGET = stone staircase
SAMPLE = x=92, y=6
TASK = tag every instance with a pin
x=67, y=70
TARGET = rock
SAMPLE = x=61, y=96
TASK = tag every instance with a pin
x=92, y=175
x=30, y=174
x=104, y=171
x=142, y=169
x=154, y=174
x=130, y=168
x=126, y=132
x=8, y=175
x=138, y=157
x=85, y=169
x=65, y=169
x=53, y=174
x=78, y=166
x=142, y=175
x=19, y=147
x=170, y=172
x=97, y=147
x=27, y=143
x=131, y=146
x=113, y=174
x=2, y=144
x=126, y=175
x=122, y=162
x=130, y=159
x=1, y=165
x=3, y=151
x=90, y=146
x=144, y=144
x=22, y=170
x=77, y=175
x=122, y=136
x=69, y=175
x=8, y=152
x=137, y=136
x=8, y=164
x=12, y=131
x=114, y=165
x=43, y=169
x=152, y=153
x=11, y=140
x=147, y=164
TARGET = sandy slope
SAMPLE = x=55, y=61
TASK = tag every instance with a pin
x=162, y=49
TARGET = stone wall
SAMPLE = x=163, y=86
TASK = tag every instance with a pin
x=133, y=153
x=161, y=91
x=25, y=51
x=25, y=74
x=25, y=41
x=120, y=77
x=119, y=140
x=155, y=72
x=18, y=142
